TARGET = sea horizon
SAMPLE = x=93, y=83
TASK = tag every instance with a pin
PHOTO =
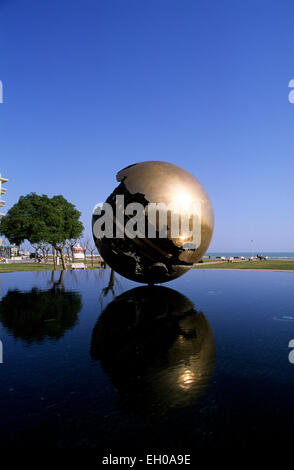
x=248, y=254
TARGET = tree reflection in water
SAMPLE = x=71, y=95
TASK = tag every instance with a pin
x=157, y=349
x=40, y=314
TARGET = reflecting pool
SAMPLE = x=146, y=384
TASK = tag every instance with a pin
x=94, y=361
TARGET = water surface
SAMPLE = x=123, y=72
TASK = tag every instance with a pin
x=200, y=362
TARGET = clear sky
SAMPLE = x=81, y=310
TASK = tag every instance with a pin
x=91, y=86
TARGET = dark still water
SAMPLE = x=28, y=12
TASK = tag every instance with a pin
x=200, y=362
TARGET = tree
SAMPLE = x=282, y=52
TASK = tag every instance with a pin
x=44, y=247
x=36, y=247
x=63, y=224
x=70, y=244
x=17, y=224
x=91, y=247
x=42, y=220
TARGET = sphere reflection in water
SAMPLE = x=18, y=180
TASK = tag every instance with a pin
x=157, y=259
x=158, y=351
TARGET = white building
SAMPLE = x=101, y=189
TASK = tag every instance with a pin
x=2, y=191
x=79, y=252
x=2, y=203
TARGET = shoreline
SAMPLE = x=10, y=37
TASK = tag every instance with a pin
x=255, y=270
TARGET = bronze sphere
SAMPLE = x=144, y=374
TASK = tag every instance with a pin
x=158, y=259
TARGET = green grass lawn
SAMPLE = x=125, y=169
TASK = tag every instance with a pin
x=287, y=265
x=15, y=267
x=212, y=260
x=18, y=267
x=276, y=264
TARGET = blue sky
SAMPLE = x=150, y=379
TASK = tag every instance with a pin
x=91, y=86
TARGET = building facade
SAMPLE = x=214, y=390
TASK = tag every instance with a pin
x=2, y=203
x=2, y=191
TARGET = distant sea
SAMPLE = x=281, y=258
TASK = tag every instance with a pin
x=247, y=254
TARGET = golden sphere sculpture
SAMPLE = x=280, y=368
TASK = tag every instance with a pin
x=155, y=224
